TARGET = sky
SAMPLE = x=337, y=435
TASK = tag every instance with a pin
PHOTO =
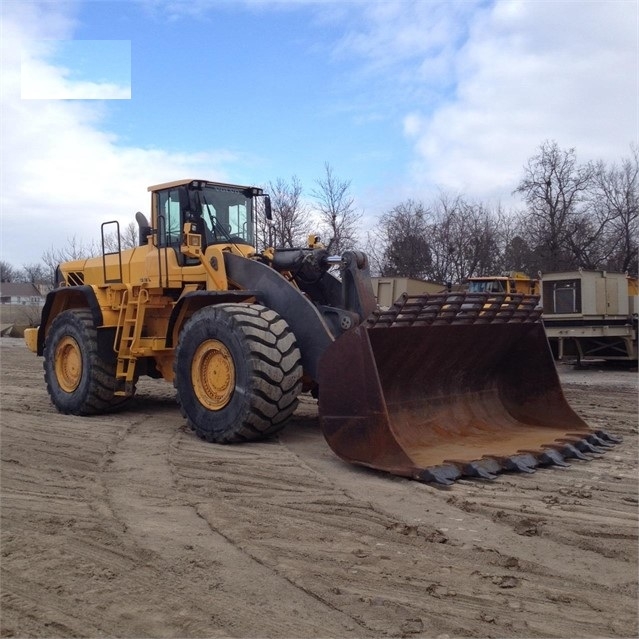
x=101, y=98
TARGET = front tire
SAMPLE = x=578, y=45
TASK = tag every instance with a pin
x=80, y=381
x=238, y=372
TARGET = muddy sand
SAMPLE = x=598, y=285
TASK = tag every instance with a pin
x=127, y=525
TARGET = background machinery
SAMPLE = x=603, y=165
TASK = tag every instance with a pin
x=434, y=387
x=588, y=315
x=511, y=282
x=591, y=315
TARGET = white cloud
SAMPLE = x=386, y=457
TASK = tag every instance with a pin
x=42, y=81
x=530, y=72
x=413, y=124
x=36, y=88
x=62, y=174
x=492, y=82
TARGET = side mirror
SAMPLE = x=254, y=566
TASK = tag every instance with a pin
x=144, y=228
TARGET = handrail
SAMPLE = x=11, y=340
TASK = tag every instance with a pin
x=105, y=253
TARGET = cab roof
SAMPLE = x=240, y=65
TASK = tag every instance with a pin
x=237, y=187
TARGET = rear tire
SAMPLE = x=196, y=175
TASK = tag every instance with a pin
x=238, y=372
x=79, y=380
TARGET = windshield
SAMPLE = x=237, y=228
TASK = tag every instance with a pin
x=487, y=286
x=227, y=215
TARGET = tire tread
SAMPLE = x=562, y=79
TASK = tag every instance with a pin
x=275, y=372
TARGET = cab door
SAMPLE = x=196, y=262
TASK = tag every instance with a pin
x=167, y=266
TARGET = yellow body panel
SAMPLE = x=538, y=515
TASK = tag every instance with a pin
x=136, y=291
x=150, y=267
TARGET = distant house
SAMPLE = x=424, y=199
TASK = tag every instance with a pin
x=20, y=293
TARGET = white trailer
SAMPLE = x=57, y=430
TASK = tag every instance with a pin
x=590, y=315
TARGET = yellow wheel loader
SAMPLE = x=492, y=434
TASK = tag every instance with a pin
x=434, y=388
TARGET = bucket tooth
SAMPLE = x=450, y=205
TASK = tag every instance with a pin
x=586, y=447
x=444, y=475
x=606, y=436
x=485, y=468
x=599, y=442
x=552, y=457
x=570, y=451
x=523, y=463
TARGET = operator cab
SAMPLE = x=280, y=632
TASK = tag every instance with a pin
x=486, y=286
x=219, y=213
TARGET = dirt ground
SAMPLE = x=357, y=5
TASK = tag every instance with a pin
x=127, y=525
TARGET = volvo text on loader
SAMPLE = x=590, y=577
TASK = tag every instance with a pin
x=434, y=388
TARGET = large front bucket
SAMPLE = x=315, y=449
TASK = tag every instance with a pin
x=450, y=385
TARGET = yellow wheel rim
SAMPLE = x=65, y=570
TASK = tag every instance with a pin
x=213, y=374
x=68, y=364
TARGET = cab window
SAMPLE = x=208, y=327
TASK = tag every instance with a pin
x=227, y=214
x=169, y=218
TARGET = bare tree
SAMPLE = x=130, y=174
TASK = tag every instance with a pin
x=518, y=256
x=128, y=239
x=515, y=253
x=75, y=249
x=403, y=234
x=614, y=207
x=34, y=273
x=375, y=248
x=463, y=238
x=576, y=216
x=449, y=241
x=554, y=188
x=7, y=272
x=336, y=208
x=291, y=223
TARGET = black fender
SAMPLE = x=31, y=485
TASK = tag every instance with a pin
x=63, y=298
x=196, y=300
x=274, y=291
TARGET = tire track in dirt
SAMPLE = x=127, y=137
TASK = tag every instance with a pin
x=391, y=574
x=567, y=569
x=113, y=526
x=303, y=528
x=20, y=601
x=47, y=510
x=126, y=525
x=166, y=521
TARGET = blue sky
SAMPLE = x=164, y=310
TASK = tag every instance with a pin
x=102, y=98
x=100, y=61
